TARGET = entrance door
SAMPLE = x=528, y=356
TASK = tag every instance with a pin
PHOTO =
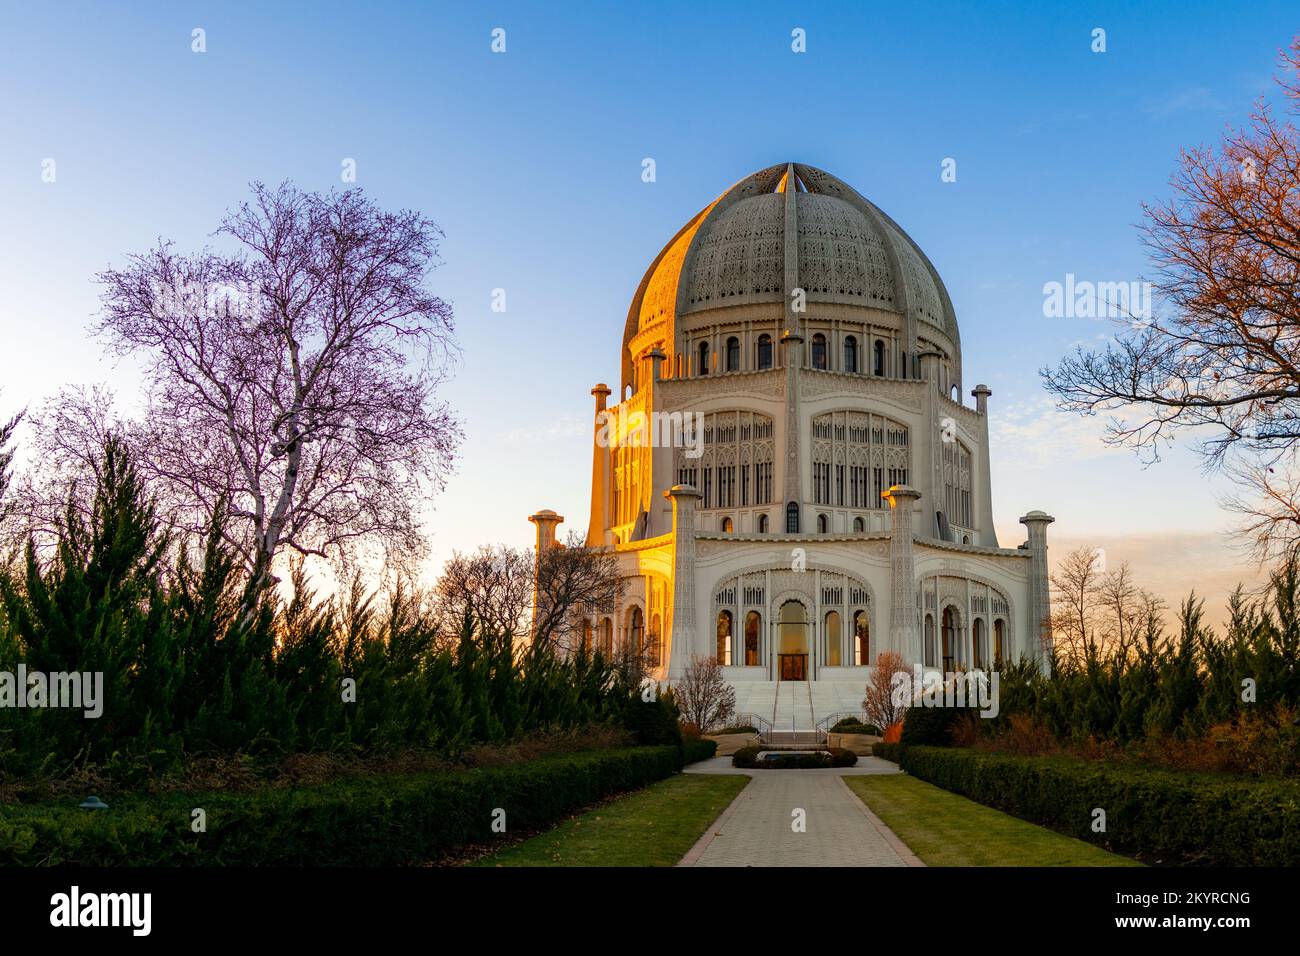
x=793, y=648
x=794, y=666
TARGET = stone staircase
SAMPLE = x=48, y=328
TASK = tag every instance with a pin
x=795, y=707
x=793, y=711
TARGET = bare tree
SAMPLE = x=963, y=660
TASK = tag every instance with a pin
x=879, y=705
x=573, y=582
x=1100, y=614
x=1120, y=601
x=294, y=377
x=1227, y=361
x=492, y=588
x=6, y=460
x=704, y=697
x=67, y=437
x=1075, y=629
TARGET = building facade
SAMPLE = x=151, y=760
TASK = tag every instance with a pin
x=788, y=474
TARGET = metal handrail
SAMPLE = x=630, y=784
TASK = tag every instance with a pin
x=754, y=720
x=830, y=720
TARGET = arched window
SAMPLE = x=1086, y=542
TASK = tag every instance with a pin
x=952, y=393
x=822, y=524
x=724, y=638
x=726, y=526
x=902, y=365
x=586, y=637
x=792, y=518
x=819, y=351
x=950, y=651
x=879, y=365
x=850, y=354
x=607, y=637
x=977, y=643
x=704, y=359
x=929, y=641
x=832, y=650
x=733, y=354
x=859, y=524
x=999, y=642
x=861, y=638
x=656, y=642
x=762, y=524
x=636, y=631
x=753, y=628
x=764, y=351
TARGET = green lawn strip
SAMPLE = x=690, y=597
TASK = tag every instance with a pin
x=945, y=829
x=652, y=827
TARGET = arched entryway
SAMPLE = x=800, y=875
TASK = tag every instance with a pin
x=792, y=653
x=753, y=631
x=979, y=650
x=951, y=634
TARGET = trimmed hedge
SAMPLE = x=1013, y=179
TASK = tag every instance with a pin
x=885, y=751
x=699, y=749
x=374, y=821
x=1163, y=816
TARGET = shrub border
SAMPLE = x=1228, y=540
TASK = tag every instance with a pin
x=1162, y=816
x=373, y=821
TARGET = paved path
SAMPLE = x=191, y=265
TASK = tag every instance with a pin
x=761, y=827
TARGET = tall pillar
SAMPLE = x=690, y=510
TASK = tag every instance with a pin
x=681, y=642
x=656, y=356
x=546, y=521
x=904, y=630
x=598, y=533
x=1039, y=625
x=793, y=465
x=792, y=339
x=982, y=503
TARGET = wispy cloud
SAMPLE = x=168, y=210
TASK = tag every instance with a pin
x=544, y=430
x=1036, y=434
x=1193, y=99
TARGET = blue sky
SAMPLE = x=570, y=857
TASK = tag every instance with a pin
x=531, y=162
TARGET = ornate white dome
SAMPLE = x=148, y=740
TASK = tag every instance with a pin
x=734, y=252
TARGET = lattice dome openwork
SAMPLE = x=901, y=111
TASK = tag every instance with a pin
x=734, y=253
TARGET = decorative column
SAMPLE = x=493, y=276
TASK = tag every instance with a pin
x=904, y=632
x=1039, y=626
x=598, y=524
x=681, y=642
x=546, y=521
x=792, y=339
x=982, y=498
x=656, y=357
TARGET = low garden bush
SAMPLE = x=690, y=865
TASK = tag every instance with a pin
x=747, y=758
x=1159, y=815
x=370, y=821
x=733, y=730
x=854, y=725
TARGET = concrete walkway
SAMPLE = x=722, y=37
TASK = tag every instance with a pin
x=798, y=818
